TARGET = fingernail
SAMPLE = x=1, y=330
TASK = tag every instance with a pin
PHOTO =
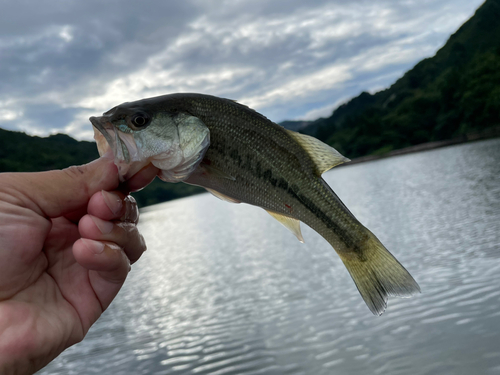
x=104, y=226
x=113, y=202
x=95, y=246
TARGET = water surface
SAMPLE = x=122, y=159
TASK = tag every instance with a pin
x=225, y=289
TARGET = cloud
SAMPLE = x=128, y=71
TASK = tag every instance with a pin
x=288, y=59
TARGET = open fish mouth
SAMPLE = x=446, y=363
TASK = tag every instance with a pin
x=128, y=157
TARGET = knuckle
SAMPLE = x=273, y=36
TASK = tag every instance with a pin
x=75, y=170
x=76, y=173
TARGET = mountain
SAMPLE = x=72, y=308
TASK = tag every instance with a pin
x=20, y=152
x=454, y=93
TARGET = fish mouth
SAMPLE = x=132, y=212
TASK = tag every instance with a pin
x=104, y=135
x=128, y=158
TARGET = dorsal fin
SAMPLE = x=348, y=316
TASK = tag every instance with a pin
x=290, y=223
x=325, y=157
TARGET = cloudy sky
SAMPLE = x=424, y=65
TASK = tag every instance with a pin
x=62, y=61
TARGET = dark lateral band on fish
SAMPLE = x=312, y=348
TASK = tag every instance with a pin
x=239, y=155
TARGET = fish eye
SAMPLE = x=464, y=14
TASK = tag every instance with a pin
x=140, y=120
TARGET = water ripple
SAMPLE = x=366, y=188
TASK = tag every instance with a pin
x=223, y=289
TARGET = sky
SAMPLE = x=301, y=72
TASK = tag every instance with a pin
x=62, y=61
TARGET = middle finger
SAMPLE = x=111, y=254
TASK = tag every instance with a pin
x=124, y=234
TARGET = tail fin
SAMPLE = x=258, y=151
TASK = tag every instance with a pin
x=379, y=275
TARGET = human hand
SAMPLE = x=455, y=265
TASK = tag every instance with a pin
x=67, y=239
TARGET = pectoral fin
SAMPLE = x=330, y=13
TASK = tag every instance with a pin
x=215, y=172
x=325, y=157
x=222, y=196
x=289, y=222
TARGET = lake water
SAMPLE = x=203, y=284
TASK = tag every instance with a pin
x=225, y=289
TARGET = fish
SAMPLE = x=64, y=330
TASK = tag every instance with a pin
x=239, y=155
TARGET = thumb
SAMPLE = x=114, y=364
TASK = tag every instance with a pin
x=57, y=193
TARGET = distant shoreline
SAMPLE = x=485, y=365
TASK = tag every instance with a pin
x=493, y=132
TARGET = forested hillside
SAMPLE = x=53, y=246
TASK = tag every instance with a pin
x=451, y=94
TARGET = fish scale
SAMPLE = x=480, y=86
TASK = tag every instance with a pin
x=281, y=150
x=250, y=159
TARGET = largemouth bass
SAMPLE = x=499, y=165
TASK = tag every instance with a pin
x=240, y=156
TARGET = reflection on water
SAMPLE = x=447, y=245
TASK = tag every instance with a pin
x=224, y=289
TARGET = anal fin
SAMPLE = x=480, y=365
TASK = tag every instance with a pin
x=289, y=222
